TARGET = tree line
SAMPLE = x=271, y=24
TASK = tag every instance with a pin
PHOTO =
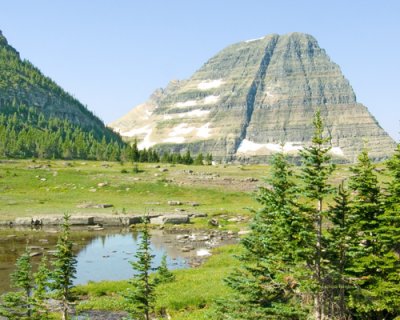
x=26, y=133
x=306, y=259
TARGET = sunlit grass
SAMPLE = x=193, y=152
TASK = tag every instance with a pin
x=191, y=296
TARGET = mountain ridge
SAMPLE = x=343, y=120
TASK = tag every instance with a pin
x=251, y=97
x=21, y=83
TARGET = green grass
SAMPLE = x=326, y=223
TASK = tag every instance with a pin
x=191, y=296
x=60, y=186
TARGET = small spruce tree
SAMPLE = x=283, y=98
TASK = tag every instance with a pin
x=140, y=297
x=64, y=267
x=41, y=279
x=17, y=305
x=163, y=274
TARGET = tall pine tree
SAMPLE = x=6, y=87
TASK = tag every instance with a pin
x=266, y=284
x=316, y=169
x=340, y=234
x=374, y=265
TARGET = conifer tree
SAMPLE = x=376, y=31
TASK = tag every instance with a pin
x=316, y=169
x=41, y=279
x=199, y=160
x=17, y=305
x=340, y=235
x=265, y=285
x=64, y=267
x=141, y=297
x=164, y=275
x=391, y=216
x=374, y=265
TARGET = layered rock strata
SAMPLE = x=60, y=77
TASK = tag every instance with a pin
x=255, y=98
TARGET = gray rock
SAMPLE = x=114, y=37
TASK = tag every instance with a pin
x=176, y=219
x=174, y=203
x=252, y=96
x=213, y=222
x=170, y=219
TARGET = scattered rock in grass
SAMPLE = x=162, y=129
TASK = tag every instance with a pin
x=94, y=206
x=92, y=190
x=198, y=215
x=163, y=169
x=243, y=232
x=250, y=179
x=194, y=204
x=174, y=203
x=102, y=184
x=213, y=222
x=236, y=219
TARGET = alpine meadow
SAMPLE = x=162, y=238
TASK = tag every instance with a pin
x=256, y=187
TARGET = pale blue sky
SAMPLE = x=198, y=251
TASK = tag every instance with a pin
x=113, y=54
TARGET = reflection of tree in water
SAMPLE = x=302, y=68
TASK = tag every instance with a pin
x=14, y=241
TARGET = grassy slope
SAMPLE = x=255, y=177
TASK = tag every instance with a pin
x=62, y=186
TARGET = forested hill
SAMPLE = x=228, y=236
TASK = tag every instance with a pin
x=34, y=105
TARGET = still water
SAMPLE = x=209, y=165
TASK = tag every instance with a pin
x=101, y=255
x=107, y=257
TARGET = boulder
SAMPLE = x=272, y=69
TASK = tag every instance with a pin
x=171, y=219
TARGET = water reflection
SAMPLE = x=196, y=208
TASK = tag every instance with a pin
x=107, y=257
x=101, y=255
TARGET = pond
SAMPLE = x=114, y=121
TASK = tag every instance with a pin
x=101, y=255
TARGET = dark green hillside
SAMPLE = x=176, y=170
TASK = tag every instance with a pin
x=25, y=91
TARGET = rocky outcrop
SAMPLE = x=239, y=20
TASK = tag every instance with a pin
x=255, y=98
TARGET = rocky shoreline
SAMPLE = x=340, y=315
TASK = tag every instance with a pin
x=101, y=220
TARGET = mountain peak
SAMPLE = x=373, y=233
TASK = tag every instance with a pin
x=254, y=96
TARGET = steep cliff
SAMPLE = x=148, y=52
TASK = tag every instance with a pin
x=252, y=98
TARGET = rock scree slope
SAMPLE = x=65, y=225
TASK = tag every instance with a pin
x=255, y=98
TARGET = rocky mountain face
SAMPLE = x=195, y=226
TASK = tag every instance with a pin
x=22, y=84
x=255, y=98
